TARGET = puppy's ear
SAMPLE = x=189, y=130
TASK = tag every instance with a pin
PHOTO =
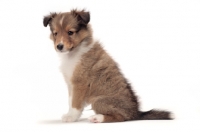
x=82, y=16
x=47, y=19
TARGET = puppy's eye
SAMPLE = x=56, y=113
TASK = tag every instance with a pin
x=55, y=34
x=70, y=33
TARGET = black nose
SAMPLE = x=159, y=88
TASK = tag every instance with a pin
x=60, y=46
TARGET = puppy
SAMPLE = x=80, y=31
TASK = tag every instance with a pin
x=92, y=76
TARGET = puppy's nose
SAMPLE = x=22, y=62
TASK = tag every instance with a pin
x=60, y=46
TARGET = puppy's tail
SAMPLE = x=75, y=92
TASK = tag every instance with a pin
x=155, y=115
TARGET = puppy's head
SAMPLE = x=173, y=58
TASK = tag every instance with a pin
x=68, y=29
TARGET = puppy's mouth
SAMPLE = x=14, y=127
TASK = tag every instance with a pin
x=65, y=51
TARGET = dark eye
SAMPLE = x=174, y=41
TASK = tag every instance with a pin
x=55, y=34
x=70, y=33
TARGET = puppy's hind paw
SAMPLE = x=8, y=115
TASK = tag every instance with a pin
x=96, y=118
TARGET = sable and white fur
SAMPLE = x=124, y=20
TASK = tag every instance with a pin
x=92, y=76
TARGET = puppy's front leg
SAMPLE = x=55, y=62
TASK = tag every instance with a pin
x=73, y=113
x=75, y=106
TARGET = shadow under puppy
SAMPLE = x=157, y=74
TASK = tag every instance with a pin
x=92, y=76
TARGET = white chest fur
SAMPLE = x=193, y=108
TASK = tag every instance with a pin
x=68, y=64
x=70, y=60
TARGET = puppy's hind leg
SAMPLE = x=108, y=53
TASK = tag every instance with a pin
x=99, y=118
x=106, y=110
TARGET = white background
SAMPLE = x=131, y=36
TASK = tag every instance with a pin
x=155, y=42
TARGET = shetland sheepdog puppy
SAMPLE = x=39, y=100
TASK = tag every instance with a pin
x=92, y=76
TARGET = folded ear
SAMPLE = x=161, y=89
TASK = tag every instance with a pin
x=47, y=19
x=82, y=16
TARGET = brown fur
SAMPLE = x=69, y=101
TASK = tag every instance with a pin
x=96, y=80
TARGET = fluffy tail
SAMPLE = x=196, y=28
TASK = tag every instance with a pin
x=155, y=115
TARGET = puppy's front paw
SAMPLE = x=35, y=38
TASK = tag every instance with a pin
x=68, y=118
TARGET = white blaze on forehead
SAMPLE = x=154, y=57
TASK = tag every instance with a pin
x=61, y=40
x=61, y=20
